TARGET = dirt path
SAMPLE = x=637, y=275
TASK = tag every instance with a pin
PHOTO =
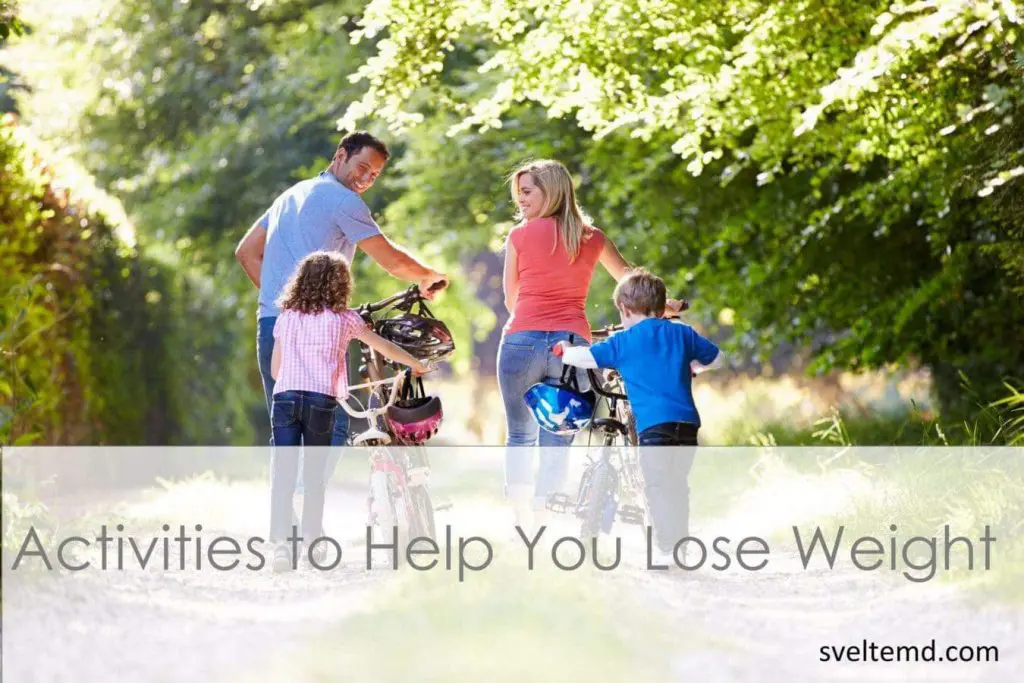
x=154, y=625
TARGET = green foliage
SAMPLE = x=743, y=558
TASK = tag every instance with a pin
x=1011, y=408
x=9, y=21
x=101, y=342
x=838, y=176
x=41, y=262
x=205, y=111
x=996, y=423
x=971, y=490
x=837, y=173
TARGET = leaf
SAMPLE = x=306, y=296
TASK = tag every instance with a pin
x=28, y=439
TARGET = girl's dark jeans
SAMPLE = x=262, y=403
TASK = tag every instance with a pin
x=303, y=418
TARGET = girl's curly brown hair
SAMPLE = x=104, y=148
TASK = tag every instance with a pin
x=322, y=281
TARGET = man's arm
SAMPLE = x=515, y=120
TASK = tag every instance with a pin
x=401, y=264
x=249, y=251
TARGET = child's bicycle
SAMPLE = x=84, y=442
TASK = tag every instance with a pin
x=399, y=505
x=612, y=484
x=614, y=475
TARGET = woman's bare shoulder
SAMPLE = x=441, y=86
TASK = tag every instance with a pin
x=592, y=232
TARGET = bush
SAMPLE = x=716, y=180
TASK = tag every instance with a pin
x=101, y=341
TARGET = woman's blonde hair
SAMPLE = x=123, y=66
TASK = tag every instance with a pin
x=554, y=181
x=321, y=281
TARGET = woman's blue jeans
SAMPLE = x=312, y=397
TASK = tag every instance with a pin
x=524, y=359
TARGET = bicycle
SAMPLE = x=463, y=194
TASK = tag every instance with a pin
x=399, y=506
x=615, y=475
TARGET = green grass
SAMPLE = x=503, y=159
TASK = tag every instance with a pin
x=997, y=423
x=979, y=484
x=921, y=491
x=896, y=429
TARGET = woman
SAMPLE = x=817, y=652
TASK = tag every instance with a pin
x=549, y=263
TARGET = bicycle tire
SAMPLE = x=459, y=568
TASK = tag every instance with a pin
x=404, y=516
x=390, y=516
x=423, y=514
x=601, y=489
x=627, y=418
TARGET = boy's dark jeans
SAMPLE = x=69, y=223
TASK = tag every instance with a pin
x=666, y=479
x=299, y=418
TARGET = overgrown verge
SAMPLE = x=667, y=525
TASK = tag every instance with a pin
x=101, y=341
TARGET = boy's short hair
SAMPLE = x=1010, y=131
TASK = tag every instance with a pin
x=642, y=293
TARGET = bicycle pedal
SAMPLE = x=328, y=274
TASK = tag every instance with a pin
x=560, y=503
x=631, y=514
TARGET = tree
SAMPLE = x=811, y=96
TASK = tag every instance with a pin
x=198, y=114
x=9, y=21
x=842, y=169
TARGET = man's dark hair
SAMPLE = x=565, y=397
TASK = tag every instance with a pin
x=355, y=141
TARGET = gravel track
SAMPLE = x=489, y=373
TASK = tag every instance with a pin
x=152, y=625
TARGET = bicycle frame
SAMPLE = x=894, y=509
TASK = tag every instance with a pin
x=398, y=495
x=374, y=436
x=596, y=502
x=607, y=480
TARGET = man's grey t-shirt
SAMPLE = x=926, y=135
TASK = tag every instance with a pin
x=313, y=215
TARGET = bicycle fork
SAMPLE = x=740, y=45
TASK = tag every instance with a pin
x=383, y=469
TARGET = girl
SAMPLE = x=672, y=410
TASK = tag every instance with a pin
x=311, y=336
x=550, y=259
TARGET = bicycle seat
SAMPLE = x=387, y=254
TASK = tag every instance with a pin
x=607, y=424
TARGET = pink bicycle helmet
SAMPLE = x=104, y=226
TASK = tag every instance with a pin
x=415, y=417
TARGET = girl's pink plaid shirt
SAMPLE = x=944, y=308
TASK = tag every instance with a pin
x=312, y=351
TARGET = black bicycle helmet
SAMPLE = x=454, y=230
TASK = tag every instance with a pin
x=421, y=334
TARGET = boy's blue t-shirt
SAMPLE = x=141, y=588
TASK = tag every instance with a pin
x=653, y=357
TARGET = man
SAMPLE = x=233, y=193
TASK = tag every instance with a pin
x=328, y=213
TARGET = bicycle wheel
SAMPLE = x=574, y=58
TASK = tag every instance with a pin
x=422, y=513
x=627, y=418
x=390, y=518
x=598, y=499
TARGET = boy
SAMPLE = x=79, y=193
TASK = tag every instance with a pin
x=656, y=359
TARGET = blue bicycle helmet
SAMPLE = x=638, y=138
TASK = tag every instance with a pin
x=559, y=406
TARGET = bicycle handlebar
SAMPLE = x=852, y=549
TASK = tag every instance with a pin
x=374, y=412
x=608, y=330
x=411, y=292
x=595, y=384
